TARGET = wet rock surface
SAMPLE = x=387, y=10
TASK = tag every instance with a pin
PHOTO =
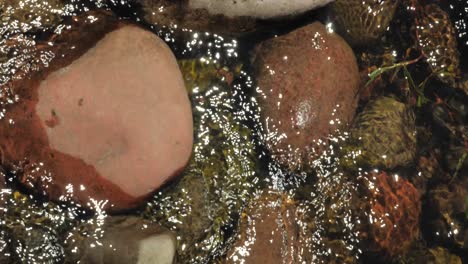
x=224, y=159
x=257, y=8
x=441, y=255
x=422, y=254
x=174, y=14
x=309, y=81
x=37, y=239
x=393, y=210
x=85, y=142
x=324, y=210
x=3, y=190
x=446, y=213
x=124, y=239
x=363, y=22
x=384, y=134
x=268, y=232
x=339, y=209
x=458, y=11
x=437, y=39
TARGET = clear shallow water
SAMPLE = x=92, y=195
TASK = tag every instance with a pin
x=231, y=164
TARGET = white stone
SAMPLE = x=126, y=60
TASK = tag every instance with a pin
x=258, y=8
x=158, y=249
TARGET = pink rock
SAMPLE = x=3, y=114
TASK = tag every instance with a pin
x=122, y=108
x=114, y=124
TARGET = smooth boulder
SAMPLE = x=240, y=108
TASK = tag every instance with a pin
x=308, y=81
x=107, y=123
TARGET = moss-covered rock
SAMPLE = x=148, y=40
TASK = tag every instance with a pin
x=383, y=135
x=438, y=42
x=203, y=206
x=363, y=22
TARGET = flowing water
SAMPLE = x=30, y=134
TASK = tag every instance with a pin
x=347, y=206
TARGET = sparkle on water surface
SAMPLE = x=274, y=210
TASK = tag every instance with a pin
x=58, y=224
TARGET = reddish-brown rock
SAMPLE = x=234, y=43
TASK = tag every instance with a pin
x=268, y=232
x=308, y=80
x=392, y=213
x=108, y=120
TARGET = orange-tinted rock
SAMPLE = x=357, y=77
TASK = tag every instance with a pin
x=268, y=232
x=308, y=80
x=392, y=213
x=112, y=122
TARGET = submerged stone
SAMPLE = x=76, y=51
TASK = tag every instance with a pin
x=391, y=209
x=206, y=202
x=420, y=253
x=443, y=256
x=309, y=81
x=362, y=22
x=32, y=231
x=384, y=134
x=446, y=212
x=437, y=39
x=268, y=232
x=112, y=123
x=126, y=239
x=258, y=8
x=326, y=206
x=168, y=13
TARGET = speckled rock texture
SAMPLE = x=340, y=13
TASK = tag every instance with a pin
x=258, y=8
x=384, y=133
x=437, y=39
x=308, y=81
x=99, y=125
x=392, y=209
x=362, y=22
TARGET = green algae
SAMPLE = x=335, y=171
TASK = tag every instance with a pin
x=383, y=136
x=33, y=229
x=203, y=207
x=31, y=16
